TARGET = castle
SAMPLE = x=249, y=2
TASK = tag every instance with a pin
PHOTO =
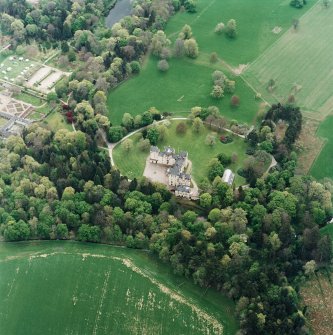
x=178, y=180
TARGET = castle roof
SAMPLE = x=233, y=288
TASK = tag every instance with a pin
x=184, y=189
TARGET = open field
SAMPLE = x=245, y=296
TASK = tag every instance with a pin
x=300, y=63
x=184, y=86
x=132, y=163
x=255, y=22
x=188, y=83
x=322, y=167
x=83, y=289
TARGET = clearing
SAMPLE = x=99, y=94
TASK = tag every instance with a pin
x=132, y=163
x=77, y=288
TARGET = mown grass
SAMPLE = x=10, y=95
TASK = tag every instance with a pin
x=132, y=163
x=302, y=58
x=190, y=81
x=3, y=121
x=185, y=85
x=28, y=98
x=255, y=22
x=322, y=167
x=76, y=288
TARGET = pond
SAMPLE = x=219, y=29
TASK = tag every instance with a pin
x=120, y=10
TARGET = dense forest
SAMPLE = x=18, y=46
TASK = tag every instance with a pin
x=256, y=244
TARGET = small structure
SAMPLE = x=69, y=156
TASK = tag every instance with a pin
x=228, y=176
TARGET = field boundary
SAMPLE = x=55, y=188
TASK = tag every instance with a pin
x=278, y=40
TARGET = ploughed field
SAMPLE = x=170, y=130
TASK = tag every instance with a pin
x=73, y=288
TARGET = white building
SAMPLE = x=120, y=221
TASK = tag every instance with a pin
x=228, y=177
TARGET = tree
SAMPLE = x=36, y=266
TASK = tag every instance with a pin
x=219, y=28
x=153, y=135
x=197, y=125
x=179, y=48
x=217, y=92
x=128, y=121
x=210, y=140
x=144, y=145
x=135, y=67
x=16, y=231
x=213, y=57
x=190, y=6
x=191, y=48
x=127, y=144
x=231, y=28
x=234, y=101
x=115, y=134
x=205, y=200
x=181, y=128
x=62, y=231
x=310, y=267
x=215, y=168
x=158, y=42
x=163, y=65
x=186, y=32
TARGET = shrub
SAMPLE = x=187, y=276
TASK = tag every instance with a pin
x=135, y=67
x=219, y=28
x=163, y=65
x=213, y=57
x=234, y=101
x=181, y=128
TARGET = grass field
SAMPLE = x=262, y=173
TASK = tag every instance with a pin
x=132, y=163
x=301, y=58
x=184, y=86
x=72, y=288
x=188, y=83
x=28, y=98
x=322, y=167
x=255, y=22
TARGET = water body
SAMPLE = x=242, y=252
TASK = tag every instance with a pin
x=120, y=10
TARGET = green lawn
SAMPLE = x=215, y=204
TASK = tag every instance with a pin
x=255, y=22
x=132, y=164
x=302, y=58
x=323, y=165
x=185, y=85
x=188, y=83
x=56, y=121
x=28, y=98
x=72, y=288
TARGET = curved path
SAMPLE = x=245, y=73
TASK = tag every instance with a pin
x=111, y=146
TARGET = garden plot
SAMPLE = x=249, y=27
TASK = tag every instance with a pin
x=45, y=79
x=16, y=69
x=13, y=107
